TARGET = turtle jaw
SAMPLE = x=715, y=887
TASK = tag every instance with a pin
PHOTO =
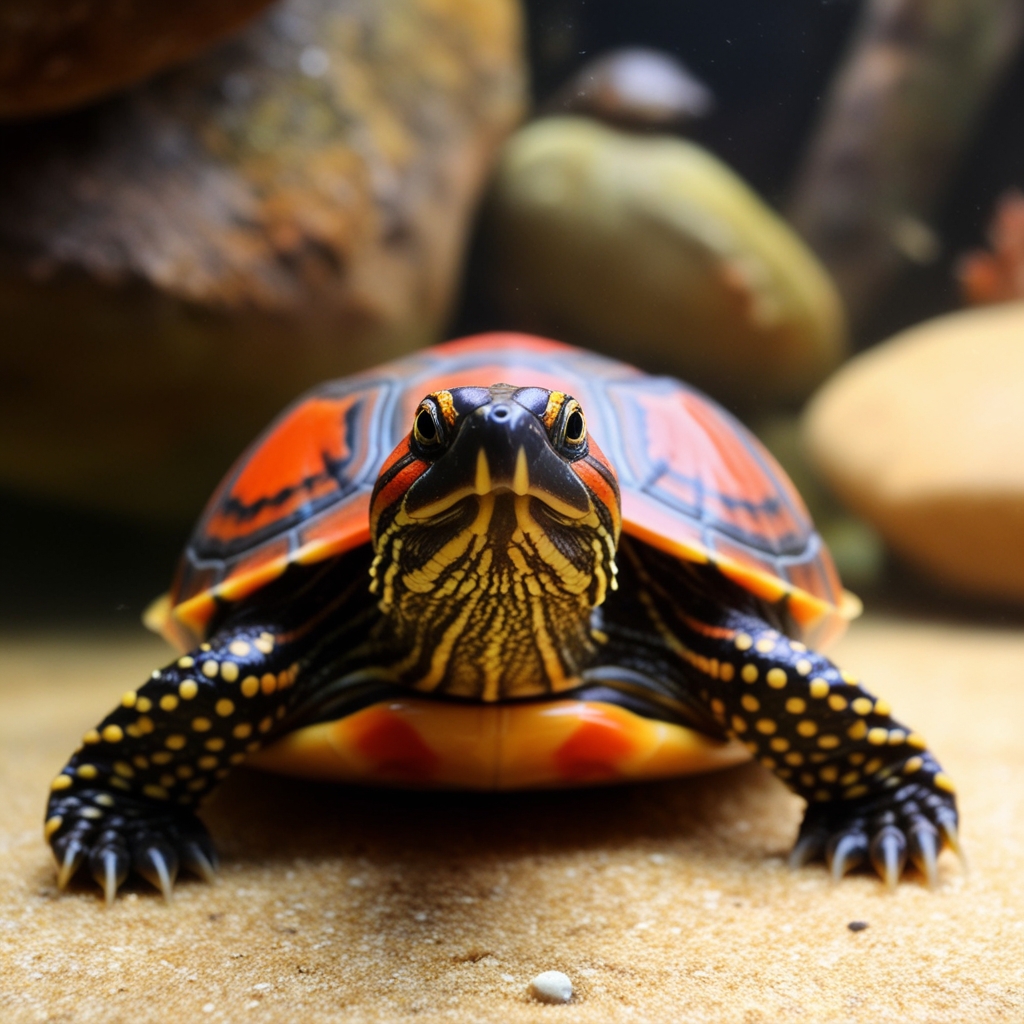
x=501, y=448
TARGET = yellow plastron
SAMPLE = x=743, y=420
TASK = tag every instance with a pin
x=495, y=746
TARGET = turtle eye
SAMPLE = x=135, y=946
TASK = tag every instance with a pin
x=425, y=428
x=575, y=426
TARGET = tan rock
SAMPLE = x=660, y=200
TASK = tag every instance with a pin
x=63, y=53
x=650, y=249
x=924, y=437
x=177, y=264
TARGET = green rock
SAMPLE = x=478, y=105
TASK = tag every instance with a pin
x=651, y=249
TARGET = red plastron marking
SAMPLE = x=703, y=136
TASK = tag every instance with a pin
x=594, y=750
x=395, y=748
x=286, y=470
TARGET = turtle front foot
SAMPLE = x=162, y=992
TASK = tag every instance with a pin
x=132, y=835
x=913, y=822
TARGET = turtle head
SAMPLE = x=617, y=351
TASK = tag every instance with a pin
x=494, y=525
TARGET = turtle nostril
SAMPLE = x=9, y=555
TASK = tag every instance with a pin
x=500, y=412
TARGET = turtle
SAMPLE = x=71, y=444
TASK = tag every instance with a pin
x=423, y=575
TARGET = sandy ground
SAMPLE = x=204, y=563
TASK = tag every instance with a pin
x=662, y=902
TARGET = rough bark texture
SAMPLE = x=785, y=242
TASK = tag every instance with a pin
x=178, y=263
x=63, y=53
x=899, y=114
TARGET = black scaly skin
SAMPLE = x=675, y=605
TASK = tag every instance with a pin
x=125, y=800
x=874, y=791
x=667, y=633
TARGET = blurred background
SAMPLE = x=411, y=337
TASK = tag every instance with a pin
x=810, y=210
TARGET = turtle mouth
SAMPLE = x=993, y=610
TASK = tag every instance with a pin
x=501, y=449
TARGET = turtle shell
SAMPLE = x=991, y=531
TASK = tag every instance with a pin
x=694, y=481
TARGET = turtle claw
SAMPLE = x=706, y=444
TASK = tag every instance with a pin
x=109, y=869
x=888, y=853
x=952, y=838
x=845, y=852
x=74, y=854
x=924, y=850
x=199, y=861
x=158, y=864
x=884, y=830
x=808, y=847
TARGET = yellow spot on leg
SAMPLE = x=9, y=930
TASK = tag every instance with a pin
x=188, y=689
x=750, y=702
x=943, y=781
x=229, y=671
x=61, y=782
x=749, y=673
x=175, y=742
x=806, y=727
x=128, y=699
x=168, y=702
x=250, y=686
x=776, y=678
x=796, y=705
x=743, y=642
x=819, y=687
x=766, y=725
x=239, y=648
x=201, y=724
x=113, y=733
x=224, y=707
x=86, y=771
x=914, y=764
x=878, y=736
x=51, y=826
x=858, y=730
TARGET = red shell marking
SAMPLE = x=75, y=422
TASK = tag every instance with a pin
x=694, y=481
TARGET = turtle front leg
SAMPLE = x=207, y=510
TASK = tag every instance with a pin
x=875, y=792
x=125, y=799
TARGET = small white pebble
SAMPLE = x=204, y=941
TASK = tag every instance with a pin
x=208, y=1008
x=551, y=987
x=314, y=62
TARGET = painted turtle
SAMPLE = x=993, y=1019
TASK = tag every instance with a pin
x=417, y=576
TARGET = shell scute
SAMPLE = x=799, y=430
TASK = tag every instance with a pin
x=694, y=482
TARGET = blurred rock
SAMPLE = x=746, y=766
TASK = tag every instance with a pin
x=635, y=88
x=997, y=276
x=648, y=248
x=892, y=131
x=63, y=53
x=178, y=263
x=924, y=437
x=857, y=549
